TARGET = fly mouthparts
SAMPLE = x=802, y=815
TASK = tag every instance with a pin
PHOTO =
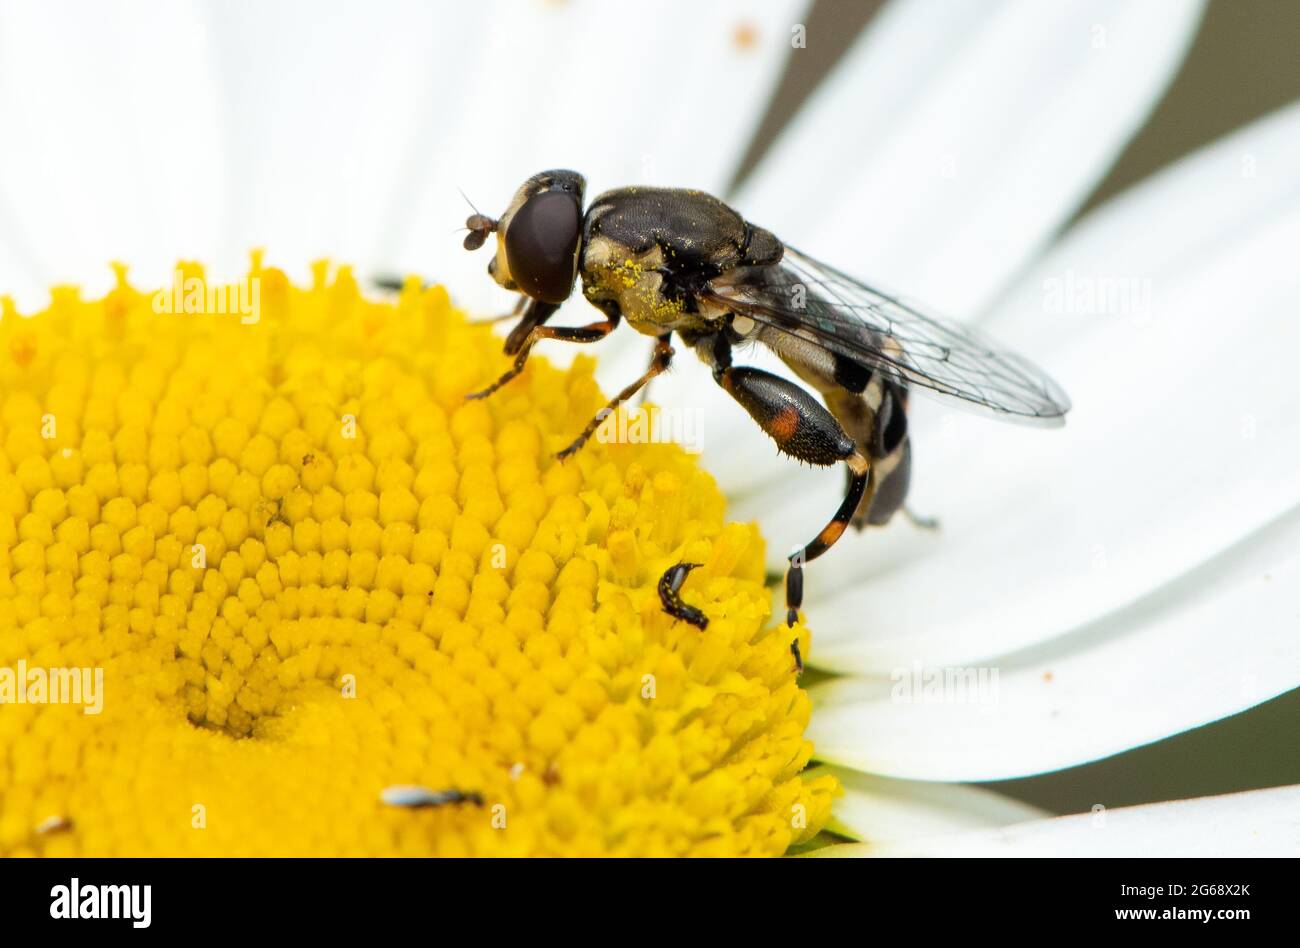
x=480, y=225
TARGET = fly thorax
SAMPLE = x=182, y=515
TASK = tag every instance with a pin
x=611, y=271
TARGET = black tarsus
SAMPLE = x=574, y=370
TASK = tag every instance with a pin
x=670, y=585
x=822, y=542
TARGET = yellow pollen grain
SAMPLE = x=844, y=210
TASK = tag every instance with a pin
x=309, y=570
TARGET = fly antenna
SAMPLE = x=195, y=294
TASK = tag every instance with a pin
x=467, y=200
x=478, y=225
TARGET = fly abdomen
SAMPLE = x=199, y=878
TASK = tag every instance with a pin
x=850, y=375
x=891, y=421
x=892, y=454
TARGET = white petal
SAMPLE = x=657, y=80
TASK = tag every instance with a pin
x=120, y=143
x=319, y=128
x=121, y=148
x=968, y=137
x=18, y=280
x=1260, y=823
x=1184, y=440
x=948, y=149
x=1216, y=642
x=327, y=108
x=881, y=809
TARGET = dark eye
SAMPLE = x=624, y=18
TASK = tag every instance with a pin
x=542, y=245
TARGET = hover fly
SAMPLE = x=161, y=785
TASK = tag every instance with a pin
x=679, y=261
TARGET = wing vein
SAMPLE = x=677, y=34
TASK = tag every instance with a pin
x=804, y=298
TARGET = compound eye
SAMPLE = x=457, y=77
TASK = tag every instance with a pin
x=542, y=245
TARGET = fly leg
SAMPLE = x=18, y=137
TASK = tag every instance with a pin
x=670, y=585
x=663, y=357
x=395, y=284
x=861, y=471
x=592, y=333
x=514, y=313
x=804, y=429
x=645, y=389
x=535, y=313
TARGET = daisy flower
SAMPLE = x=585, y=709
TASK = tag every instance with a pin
x=320, y=591
x=1104, y=586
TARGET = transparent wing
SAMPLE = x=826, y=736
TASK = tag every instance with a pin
x=821, y=305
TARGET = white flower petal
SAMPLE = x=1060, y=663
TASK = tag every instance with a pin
x=1260, y=823
x=113, y=145
x=1184, y=440
x=947, y=149
x=1215, y=642
x=881, y=809
x=328, y=106
x=347, y=127
x=968, y=137
x=18, y=280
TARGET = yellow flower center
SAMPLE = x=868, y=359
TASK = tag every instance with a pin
x=305, y=571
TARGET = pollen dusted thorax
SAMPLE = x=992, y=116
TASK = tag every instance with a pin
x=648, y=251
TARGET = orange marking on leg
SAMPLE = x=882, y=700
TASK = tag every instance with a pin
x=785, y=423
x=831, y=532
